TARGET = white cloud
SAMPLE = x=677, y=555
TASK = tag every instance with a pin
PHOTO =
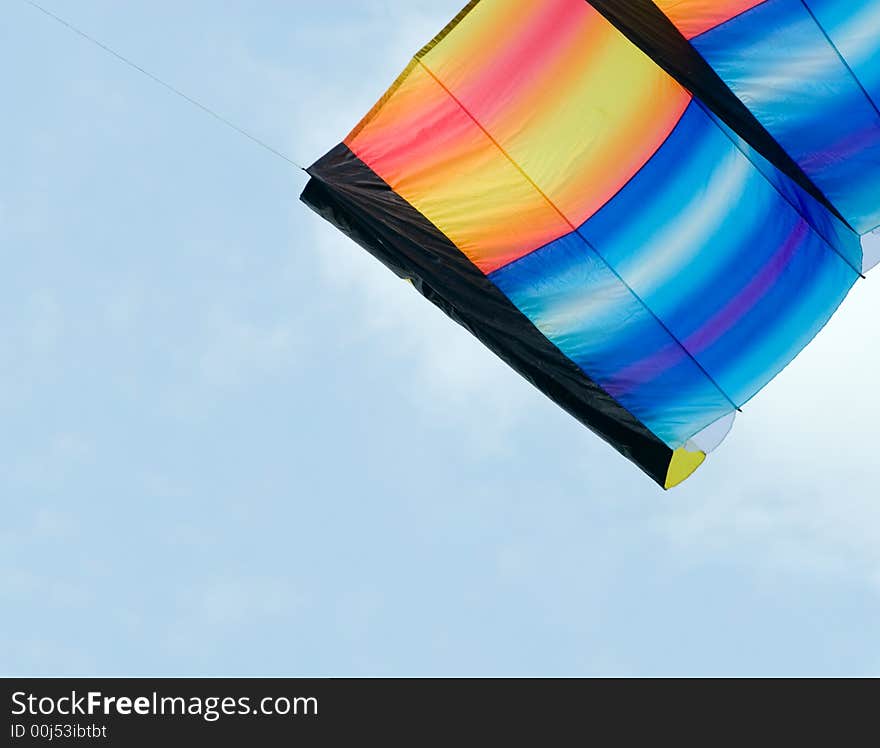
x=445, y=372
x=796, y=484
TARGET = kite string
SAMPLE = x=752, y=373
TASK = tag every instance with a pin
x=164, y=84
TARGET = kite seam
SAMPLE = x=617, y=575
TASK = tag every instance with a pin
x=576, y=232
x=841, y=58
x=849, y=70
x=785, y=197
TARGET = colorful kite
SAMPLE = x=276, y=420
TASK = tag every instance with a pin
x=646, y=209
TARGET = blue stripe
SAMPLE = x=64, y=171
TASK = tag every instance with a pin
x=780, y=63
x=700, y=244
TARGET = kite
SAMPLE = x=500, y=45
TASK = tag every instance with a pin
x=647, y=209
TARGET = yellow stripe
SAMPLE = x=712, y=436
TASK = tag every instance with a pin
x=447, y=29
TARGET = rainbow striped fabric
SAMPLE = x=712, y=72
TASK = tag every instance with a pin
x=647, y=210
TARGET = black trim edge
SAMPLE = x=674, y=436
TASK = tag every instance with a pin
x=348, y=194
x=646, y=26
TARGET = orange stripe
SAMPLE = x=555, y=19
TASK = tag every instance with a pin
x=434, y=156
x=577, y=107
x=695, y=17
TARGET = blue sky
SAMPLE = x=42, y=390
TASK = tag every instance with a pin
x=234, y=444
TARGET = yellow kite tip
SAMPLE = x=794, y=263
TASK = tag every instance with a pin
x=682, y=466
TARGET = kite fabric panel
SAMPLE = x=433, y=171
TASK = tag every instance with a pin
x=574, y=184
x=809, y=70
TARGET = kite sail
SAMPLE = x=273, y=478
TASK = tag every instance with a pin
x=642, y=219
